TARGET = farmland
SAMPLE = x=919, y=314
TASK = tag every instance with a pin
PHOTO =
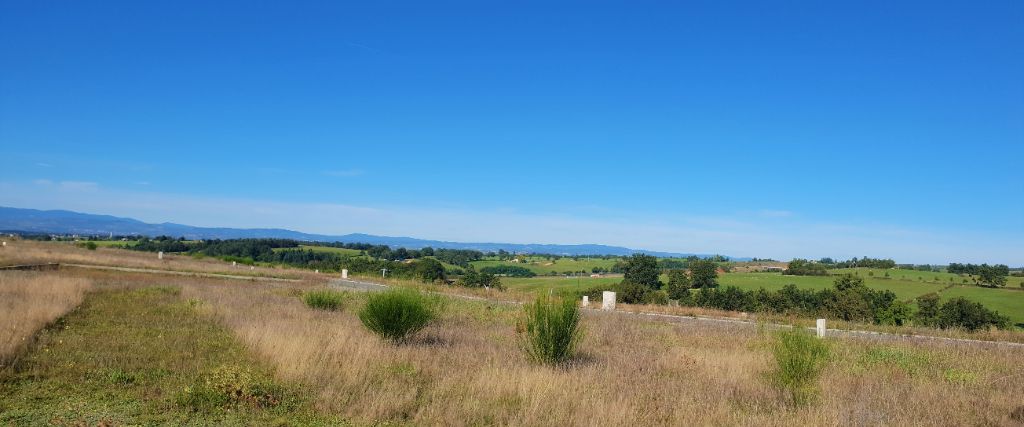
x=544, y=266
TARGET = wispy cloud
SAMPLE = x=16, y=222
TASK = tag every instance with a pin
x=344, y=173
x=44, y=165
x=775, y=213
x=78, y=186
x=46, y=184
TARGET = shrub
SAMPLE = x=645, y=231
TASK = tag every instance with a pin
x=799, y=359
x=961, y=313
x=324, y=299
x=550, y=329
x=399, y=313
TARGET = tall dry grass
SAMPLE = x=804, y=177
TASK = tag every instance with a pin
x=468, y=369
x=30, y=301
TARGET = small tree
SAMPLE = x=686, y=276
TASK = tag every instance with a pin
x=642, y=270
x=704, y=273
x=927, y=309
x=429, y=270
x=550, y=329
x=678, y=284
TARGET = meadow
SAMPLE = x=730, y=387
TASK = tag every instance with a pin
x=544, y=266
x=160, y=349
x=140, y=346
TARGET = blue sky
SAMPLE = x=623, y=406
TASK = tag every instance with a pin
x=780, y=130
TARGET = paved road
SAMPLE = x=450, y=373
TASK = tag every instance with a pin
x=357, y=285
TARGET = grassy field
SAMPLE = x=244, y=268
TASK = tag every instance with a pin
x=904, y=289
x=147, y=349
x=144, y=356
x=341, y=251
x=543, y=266
x=1008, y=302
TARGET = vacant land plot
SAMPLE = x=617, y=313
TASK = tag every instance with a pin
x=468, y=369
x=30, y=252
x=30, y=301
x=151, y=349
x=144, y=356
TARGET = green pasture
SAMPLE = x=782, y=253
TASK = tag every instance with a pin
x=1008, y=302
x=342, y=251
x=541, y=265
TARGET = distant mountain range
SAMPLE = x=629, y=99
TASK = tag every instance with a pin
x=17, y=220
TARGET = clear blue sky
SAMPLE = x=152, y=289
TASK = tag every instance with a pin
x=752, y=129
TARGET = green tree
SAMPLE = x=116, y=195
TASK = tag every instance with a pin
x=642, y=269
x=678, y=284
x=704, y=273
x=429, y=270
x=993, y=276
x=927, y=309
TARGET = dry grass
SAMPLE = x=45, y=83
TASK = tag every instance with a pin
x=31, y=252
x=468, y=370
x=30, y=301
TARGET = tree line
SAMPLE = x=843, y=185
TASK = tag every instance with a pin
x=849, y=299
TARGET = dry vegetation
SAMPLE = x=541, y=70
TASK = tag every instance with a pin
x=30, y=301
x=32, y=252
x=468, y=370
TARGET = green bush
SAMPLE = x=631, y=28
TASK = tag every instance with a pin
x=799, y=360
x=324, y=299
x=398, y=313
x=550, y=329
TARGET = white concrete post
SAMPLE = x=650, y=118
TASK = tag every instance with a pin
x=586, y=301
x=234, y=263
x=252, y=267
x=160, y=255
x=344, y=273
x=608, y=300
x=317, y=271
x=5, y=244
x=820, y=328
